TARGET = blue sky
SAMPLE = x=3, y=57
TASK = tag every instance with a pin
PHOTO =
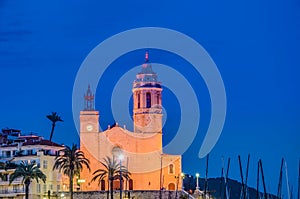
x=255, y=44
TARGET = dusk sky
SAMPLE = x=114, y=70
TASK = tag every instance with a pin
x=255, y=45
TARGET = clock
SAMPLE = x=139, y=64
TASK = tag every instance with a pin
x=89, y=127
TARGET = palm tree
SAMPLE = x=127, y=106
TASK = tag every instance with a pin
x=71, y=162
x=112, y=169
x=27, y=171
x=53, y=118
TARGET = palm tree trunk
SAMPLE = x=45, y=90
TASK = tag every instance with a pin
x=111, y=189
x=52, y=130
x=27, y=183
x=71, y=187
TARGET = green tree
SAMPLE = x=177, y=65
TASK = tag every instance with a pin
x=53, y=118
x=70, y=163
x=27, y=171
x=111, y=170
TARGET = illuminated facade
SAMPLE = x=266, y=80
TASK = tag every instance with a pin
x=150, y=168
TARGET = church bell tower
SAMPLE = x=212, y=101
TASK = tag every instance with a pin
x=147, y=101
x=89, y=117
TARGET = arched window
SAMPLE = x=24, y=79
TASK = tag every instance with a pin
x=148, y=100
x=171, y=169
x=102, y=185
x=130, y=184
x=138, y=100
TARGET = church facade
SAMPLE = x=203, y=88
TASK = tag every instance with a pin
x=142, y=149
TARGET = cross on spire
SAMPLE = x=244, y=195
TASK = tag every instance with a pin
x=146, y=57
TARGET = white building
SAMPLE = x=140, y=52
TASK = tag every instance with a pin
x=16, y=148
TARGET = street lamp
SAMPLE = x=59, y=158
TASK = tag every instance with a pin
x=182, y=177
x=197, y=178
x=121, y=157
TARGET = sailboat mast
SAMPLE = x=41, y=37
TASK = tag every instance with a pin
x=242, y=178
x=279, y=194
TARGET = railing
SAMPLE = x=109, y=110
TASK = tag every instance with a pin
x=189, y=195
x=12, y=191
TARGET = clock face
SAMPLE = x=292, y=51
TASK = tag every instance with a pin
x=89, y=127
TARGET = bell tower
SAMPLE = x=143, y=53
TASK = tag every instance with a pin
x=147, y=101
x=89, y=117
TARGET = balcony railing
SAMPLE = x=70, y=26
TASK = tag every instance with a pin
x=12, y=191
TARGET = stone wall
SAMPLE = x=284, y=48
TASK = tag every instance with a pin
x=133, y=195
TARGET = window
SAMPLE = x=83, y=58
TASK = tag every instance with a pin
x=58, y=188
x=44, y=188
x=15, y=188
x=157, y=99
x=130, y=184
x=171, y=169
x=30, y=152
x=38, y=188
x=5, y=177
x=45, y=164
x=50, y=187
x=148, y=100
x=139, y=100
x=6, y=154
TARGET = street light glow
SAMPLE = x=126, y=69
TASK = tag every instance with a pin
x=121, y=157
x=197, y=175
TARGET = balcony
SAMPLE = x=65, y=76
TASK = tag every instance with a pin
x=11, y=193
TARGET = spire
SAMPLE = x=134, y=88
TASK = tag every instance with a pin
x=89, y=100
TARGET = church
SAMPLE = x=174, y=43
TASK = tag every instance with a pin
x=142, y=149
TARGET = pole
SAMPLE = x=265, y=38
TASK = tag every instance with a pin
x=225, y=180
x=263, y=180
x=206, y=173
x=279, y=194
x=242, y=178
x=126, y=184
x=160, y=178
x=287, y=180
x=299, y=181
x=246, y=181
x=120, y=178
x=257, y=182
x=177, y=181
x=221, y=178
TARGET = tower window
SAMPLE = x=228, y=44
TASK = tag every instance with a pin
x=171, y=168
x=157, y=99
x=139, y=100
x=148, y=100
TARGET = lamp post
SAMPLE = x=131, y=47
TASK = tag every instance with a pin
x=182, y=177
x=121, y=157
x=197, y=182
